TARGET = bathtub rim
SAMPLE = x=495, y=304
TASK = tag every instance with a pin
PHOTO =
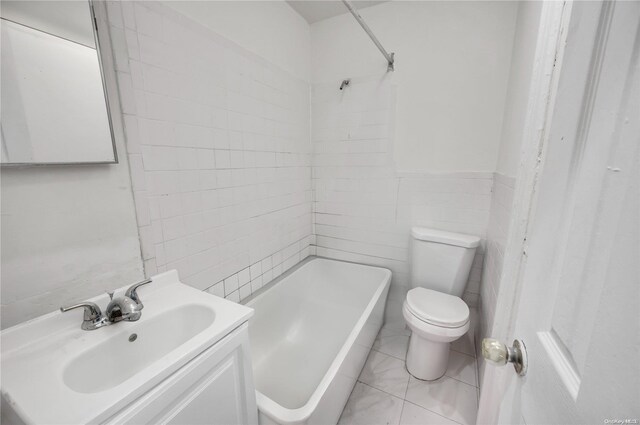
x=284, y=415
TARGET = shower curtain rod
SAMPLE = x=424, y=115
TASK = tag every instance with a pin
x=365, y=27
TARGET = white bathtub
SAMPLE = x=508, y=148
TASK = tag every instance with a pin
x=310, y=336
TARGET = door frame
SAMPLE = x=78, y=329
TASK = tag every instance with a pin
x=496, y=386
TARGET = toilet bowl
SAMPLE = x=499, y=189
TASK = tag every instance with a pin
x=435, y=313
x=435, y=319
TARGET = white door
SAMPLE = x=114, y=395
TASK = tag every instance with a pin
x=578, y=280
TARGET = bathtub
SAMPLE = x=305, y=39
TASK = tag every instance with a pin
x=310, y=336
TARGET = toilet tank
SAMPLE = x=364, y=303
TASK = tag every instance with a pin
x=441, y=260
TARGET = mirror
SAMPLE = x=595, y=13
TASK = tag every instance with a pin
x=54, y=102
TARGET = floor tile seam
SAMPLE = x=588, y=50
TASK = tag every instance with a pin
x=466, y=354
x=439, y=414
x=475, y=371
x=459, y=380
x=386, y=392
x=387, y=354
x=404, y=402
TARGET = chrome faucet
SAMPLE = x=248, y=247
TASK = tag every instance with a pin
x=127, y=307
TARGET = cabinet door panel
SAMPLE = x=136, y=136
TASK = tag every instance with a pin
x=212, y=400
x=215, y=388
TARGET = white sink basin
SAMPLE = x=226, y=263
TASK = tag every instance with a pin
x=115, y=360
x=56, y=373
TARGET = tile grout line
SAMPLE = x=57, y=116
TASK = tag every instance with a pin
x=390, y=355
x=451, y=419
x=477, y=365
x=456, y=379
x=462, y=352
x=405, y=400
x=401, y=411
x=378, y=389
x=429, y=410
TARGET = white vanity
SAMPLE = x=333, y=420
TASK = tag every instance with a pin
x=186, y=360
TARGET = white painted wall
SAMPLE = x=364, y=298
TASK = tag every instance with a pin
x=519, y=85
x=452, y=68
x=68, y=232
x=218, y=143
x=524, y=49
x=270, y=29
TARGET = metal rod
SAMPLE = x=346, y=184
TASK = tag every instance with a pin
x=365, y=27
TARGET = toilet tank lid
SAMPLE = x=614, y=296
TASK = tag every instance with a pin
x=449, y=238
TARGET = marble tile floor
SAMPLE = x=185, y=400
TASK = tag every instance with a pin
x=387, y=394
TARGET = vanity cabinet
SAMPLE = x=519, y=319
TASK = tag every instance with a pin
x=185, y=361
x=216, y=387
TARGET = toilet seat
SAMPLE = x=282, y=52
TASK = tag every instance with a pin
x=437, y=308
x=432, y=332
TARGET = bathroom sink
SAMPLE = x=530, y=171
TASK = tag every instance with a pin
x=113, y=361
x=55, y=372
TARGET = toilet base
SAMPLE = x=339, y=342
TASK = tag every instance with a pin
x=427, y=360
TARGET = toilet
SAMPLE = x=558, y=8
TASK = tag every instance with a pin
x=433, y=309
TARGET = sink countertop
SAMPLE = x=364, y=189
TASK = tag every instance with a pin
x=35, y=354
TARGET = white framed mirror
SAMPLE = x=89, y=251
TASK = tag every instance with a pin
x=54, y=106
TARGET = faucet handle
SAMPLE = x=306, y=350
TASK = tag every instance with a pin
x=133, y=294
x=91, y=310
x=93, y=318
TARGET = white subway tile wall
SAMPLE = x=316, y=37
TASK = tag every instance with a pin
x=219, y=149
x=363, y=208
x=497, y=233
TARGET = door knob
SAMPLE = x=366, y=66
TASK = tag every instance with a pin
x=498, y=353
